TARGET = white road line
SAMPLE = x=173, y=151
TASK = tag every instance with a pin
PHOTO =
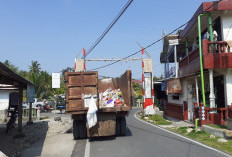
x=87, y=148
x=203, y=145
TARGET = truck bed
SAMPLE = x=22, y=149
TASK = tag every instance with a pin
x=79, y=84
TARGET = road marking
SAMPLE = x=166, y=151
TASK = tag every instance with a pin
x=201, y=144
x=87, y=148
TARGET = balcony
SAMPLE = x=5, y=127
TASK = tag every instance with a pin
x=215, y=55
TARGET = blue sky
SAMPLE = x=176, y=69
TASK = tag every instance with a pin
x=54, y=31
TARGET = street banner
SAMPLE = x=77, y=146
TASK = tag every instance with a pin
x=55, y=80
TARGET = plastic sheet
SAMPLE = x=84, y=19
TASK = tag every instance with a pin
x=92, y=113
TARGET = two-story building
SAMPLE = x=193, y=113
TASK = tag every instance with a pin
x=201, y=56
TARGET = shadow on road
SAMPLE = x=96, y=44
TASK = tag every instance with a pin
x=109, y=138
x=13, y=143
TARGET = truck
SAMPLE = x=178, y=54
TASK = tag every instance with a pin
x=111, y=121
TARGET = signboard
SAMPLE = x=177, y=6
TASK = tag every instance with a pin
x=30, y=93
x=55, y=80
x=147, y=87
x=174, y=86
x=173, y=42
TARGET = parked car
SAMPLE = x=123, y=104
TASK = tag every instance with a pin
x=38, y=102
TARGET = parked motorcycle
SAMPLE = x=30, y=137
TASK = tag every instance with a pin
x=11, y=122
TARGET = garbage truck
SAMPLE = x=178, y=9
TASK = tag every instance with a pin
x=112, y=99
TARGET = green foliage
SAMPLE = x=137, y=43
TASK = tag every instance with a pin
x=11, y=66
x=203, y=137
x=35, y=67
x=138, y=89
x=159, y=120
x=217, y=126
x=41, y=79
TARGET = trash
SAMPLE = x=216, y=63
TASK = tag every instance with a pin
x=2, y=154
x=149, y=110
x=111, y=98
x=91, y=114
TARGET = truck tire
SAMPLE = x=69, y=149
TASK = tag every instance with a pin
x=79, y=130
x=75, y=130
x=83, y=132
x=118, y=126
x=123, y=127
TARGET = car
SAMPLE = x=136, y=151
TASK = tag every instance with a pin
x=38, y=102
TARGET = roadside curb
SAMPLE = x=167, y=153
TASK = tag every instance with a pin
x=189, y=139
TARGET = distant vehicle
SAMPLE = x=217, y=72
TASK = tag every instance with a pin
x=38, y=102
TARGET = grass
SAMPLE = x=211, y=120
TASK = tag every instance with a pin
x=203, y=137
x=217, y=126
x=42, y=118
x=159, y=120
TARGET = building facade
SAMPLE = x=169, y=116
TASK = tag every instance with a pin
x=199, y=85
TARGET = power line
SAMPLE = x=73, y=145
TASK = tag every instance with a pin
x=109, y=27
x=158, y=39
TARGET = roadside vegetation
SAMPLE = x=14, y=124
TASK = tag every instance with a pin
x=203, y=137
x=40, y=78
x=217, y=126
x=157, y=119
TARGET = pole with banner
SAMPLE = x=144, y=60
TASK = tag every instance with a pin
x=55, y=84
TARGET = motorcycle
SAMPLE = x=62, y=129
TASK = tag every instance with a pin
x=11, y=123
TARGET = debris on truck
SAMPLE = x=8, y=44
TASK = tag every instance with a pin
x=111, y=98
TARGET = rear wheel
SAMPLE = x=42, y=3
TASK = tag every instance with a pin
x=75, y=130
x=79, y=130
x=118, y=123
x=123, y=127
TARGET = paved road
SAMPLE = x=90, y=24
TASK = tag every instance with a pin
x=142, y=140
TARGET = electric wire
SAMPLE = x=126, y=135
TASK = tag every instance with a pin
x=157, y=40
x=108, y=28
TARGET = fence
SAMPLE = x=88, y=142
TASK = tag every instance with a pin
x=26, y=112
x=213, y=115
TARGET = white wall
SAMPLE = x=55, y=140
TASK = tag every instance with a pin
x=4, y=100
x=228, y=87
x=226, y=23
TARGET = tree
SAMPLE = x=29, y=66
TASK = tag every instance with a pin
x=35, y=67
x=11, y=66
x=42, y=82
x=138, y=89
x=68, y=69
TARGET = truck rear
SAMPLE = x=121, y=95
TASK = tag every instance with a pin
x=80, y=86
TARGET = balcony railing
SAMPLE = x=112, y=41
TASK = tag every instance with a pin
x=218, y=47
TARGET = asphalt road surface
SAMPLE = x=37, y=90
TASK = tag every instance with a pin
x=142, y=140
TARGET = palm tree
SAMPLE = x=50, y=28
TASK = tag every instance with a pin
x=35, y=67
x=11, y=66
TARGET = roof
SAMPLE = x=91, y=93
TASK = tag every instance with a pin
x=209, y=7
x=9, y=77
